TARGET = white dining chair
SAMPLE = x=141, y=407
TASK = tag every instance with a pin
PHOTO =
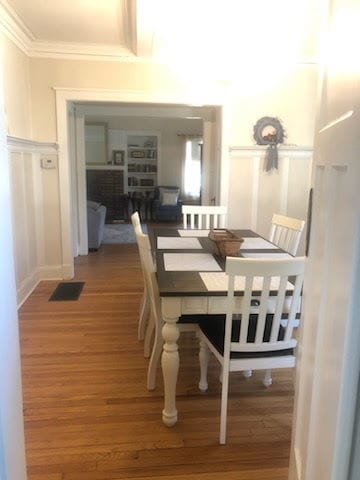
x=146, y=324
x=285, y=232
x=203, y=216
x=186, y=324
x=242, y=341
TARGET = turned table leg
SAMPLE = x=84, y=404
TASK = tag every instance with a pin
x=170, y=369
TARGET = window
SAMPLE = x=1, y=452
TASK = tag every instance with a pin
x=192, y=170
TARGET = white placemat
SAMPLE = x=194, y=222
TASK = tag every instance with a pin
x=190, y=262
x=193, y=233
x=254, y=243
x=266, y=255
x=218, y=281
x=178, y=242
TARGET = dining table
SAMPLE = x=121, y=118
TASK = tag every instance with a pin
x=192, y=281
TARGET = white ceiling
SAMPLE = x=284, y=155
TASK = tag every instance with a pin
x=207, y=30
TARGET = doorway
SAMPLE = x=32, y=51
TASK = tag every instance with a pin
x=201, y=124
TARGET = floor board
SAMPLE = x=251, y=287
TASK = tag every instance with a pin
x=88, y=415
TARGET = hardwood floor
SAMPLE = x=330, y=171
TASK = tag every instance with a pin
x=88, y=415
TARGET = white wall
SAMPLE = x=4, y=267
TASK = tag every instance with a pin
x=254, y=194
x=34, y=253
x=12, y=451
x=328, y=363
x=34, y=191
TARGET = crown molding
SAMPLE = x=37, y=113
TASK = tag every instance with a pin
x=139, y=49
x=80, y=51
x=14, y=28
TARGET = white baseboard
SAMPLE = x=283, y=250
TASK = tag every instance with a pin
x=27, y=286
x=298, y=463
x=67, y=271
x=51, y=272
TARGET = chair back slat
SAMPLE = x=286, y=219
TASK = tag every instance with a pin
x=149, y=273
x=280, y=300
x=246, y=310
x=260, y=327
x=204, y=216
x=135, y=220
x=271, y=277
x=285, y=232
x=293, y=307
x=207, y=221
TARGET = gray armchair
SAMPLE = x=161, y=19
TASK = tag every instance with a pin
x=96, y=214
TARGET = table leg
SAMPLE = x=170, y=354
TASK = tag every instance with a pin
x=170, y=369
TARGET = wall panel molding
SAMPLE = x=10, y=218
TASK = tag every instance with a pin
x=23, y=145
x=284, y=151
x=258, y=194
x=28, y=213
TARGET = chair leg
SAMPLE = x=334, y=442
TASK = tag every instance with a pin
x=155, y=359
x=204, y=354
x=267, y=378
x=224, y=402
x=144, y=315
x=148, y=335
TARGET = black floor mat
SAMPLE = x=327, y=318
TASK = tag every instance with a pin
x=67, y=291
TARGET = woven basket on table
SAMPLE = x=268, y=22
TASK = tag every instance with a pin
x=227, y=243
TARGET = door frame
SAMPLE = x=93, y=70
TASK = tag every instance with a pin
x=64, y=96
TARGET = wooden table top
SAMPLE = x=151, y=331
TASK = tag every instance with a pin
x=189, y=283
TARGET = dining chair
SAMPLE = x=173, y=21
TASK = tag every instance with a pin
x=285, y=232
x=243, y=341
x=146, y=324
x=203, y=216
x=186, y=323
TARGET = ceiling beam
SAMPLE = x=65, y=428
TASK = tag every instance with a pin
x=145, y=26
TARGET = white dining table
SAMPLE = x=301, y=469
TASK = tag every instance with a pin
x=183, y=291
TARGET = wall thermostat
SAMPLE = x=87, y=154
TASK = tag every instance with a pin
x=49, y=161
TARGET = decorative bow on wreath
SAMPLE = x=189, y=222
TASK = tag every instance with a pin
x=269, y=131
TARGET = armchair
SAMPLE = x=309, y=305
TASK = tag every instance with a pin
x=96, y=214
x=166, y=204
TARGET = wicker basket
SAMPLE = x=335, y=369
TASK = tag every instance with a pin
x=227, y=243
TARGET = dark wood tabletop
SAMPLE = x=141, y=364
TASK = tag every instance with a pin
x=189, y=283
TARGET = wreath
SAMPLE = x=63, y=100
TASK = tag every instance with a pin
x=269, y=131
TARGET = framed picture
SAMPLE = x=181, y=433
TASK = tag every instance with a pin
x=119, y=157
x=137, y=154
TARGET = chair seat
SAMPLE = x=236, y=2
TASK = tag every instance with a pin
x=214, y=328
x=196, y=318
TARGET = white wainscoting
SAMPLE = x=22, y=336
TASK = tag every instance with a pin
x=28, y=207
x=255, y=195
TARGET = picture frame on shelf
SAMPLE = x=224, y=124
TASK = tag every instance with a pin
x=118, y=158
x=137, y=154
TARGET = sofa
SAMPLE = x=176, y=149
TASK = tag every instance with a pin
x=96, y=214
x=167, y=204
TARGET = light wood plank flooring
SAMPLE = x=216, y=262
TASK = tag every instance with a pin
x=88, y=415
